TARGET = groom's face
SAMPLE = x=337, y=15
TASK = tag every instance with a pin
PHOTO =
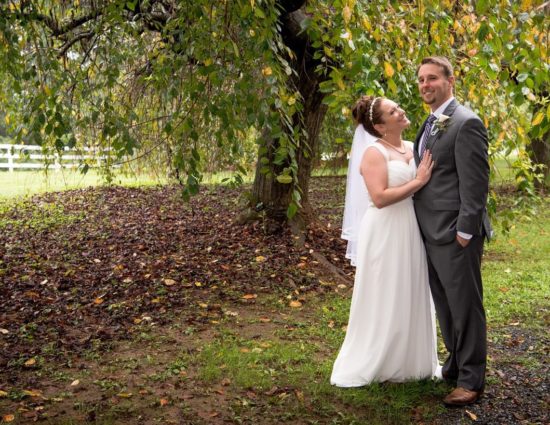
x=435, y=88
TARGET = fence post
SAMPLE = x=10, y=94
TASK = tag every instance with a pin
x=10, y=160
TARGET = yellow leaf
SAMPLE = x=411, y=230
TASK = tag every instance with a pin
x=30, y=362
x=526, y=4
x=250, y=296
x=98, y=301
x=260, y=259
x=267, y=71
x=3, y=394
x=198, y=284
x=169, y=282
x=7, y=119
x=388, y=69
x=472, y=416
x=346, y=13
x=32, y=393
x=366, y=24
x=295, y=304
x=124, y=395
x=538, y=118
x=8, y=418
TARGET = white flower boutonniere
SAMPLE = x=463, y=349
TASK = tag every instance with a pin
x=441, y=124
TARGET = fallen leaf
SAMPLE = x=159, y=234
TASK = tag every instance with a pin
x=265, y=319
x=260, y=259
x=225, y=382
x=75, y=383
x=30, y=362
x=250, y=296
x=3, y=394
x=295, y=304
x=124, y=395
x=472, y=416
x=32, y=393
x=4, y=331
x=8, y=418
x=163, y=402
x=244, y=350
x=169, y=282
x=98, y=301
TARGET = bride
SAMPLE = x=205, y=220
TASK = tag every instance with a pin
x=391, y=329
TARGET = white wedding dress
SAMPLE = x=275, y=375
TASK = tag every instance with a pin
x=391, y=329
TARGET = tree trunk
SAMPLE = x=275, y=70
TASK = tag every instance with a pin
x=539, y=151
x=267, y=193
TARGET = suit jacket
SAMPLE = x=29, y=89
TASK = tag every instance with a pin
x=455, y=197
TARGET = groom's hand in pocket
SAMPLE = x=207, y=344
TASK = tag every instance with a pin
x=462, y=241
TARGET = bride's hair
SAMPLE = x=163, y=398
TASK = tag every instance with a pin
x=367, y=111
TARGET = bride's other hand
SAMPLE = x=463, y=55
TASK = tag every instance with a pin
x=424, y=170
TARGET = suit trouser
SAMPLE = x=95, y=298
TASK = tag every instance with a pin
x=455, y=282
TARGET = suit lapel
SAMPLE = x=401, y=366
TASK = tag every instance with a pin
x=432, y=138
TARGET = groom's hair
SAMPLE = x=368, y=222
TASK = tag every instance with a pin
x=440, y=61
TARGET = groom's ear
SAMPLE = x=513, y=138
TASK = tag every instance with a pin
x=451, y=80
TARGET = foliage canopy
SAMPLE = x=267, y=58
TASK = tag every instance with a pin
x=198, y=82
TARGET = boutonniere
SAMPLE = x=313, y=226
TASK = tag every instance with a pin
x=441, y=124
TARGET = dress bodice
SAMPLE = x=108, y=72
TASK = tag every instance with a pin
x=400, y=172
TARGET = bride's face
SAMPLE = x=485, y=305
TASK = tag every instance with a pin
x=394, y=118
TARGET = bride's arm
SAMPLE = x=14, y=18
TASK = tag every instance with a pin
x=375, y=173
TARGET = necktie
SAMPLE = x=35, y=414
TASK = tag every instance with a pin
x=426, y=134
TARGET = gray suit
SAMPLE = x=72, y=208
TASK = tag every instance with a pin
x=454, y=200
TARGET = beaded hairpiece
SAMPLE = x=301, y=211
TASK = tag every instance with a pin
x=371, y=108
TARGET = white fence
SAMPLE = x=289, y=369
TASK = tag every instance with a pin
x=24, y=157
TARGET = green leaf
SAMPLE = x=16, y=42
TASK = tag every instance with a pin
x=284, y=179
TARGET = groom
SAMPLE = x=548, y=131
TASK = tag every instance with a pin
x=451, y=213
